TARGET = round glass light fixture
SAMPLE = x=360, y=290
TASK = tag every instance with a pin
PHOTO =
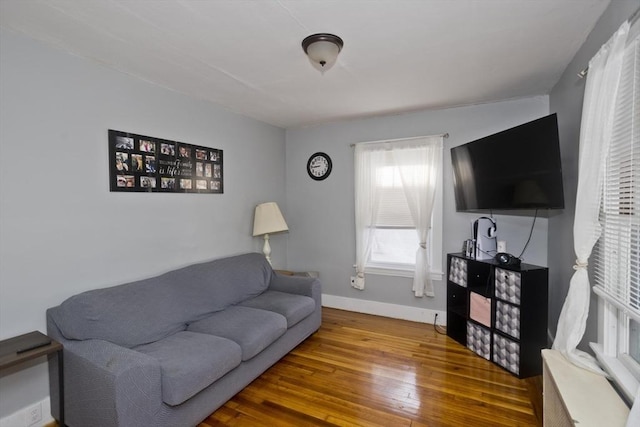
x=322, y=49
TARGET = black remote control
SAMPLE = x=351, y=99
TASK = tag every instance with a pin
x=34, y=346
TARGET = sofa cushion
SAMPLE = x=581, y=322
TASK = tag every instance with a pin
x=190, y=361
x=293, y=307
x=251, y=328
x=214, y=285
x=128, y=315
x=149, y=310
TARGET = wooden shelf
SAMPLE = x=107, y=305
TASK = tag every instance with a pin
x=514, y=331
x=12, y=350
x=23, y=348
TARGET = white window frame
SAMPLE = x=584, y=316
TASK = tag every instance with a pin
x=611, y=348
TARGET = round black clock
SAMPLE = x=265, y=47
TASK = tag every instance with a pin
x=319, y=166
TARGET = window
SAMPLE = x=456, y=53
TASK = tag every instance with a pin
x=394, y=239
x=399, y=207
x=617, y=255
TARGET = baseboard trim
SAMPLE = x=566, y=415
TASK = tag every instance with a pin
x=395, y=311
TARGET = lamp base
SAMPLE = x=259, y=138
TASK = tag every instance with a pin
x=267, y=248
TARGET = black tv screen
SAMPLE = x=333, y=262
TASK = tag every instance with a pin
x=518, y=168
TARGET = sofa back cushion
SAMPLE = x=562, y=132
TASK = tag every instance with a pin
x=214, y=285
x=148, y=310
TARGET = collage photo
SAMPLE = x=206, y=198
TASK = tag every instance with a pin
x=146, y=164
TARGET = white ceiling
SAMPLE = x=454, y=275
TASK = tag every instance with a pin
x=245, y=55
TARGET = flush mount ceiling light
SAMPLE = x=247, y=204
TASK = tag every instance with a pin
x=322, y=49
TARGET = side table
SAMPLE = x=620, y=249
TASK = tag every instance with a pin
x=23, y=348
x=314, y=274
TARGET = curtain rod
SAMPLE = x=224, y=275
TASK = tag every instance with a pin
x=444, y=135
x=636, y=15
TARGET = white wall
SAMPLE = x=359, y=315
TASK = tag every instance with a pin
x=322, y=235
x=63, y=232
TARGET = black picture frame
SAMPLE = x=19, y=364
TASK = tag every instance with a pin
x=139, y=163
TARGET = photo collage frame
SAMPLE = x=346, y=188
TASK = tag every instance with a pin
x=141, y=163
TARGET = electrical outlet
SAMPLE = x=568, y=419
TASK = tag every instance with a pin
x=353, y=280
x=34, y=414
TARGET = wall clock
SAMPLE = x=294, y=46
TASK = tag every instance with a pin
x=319, y=166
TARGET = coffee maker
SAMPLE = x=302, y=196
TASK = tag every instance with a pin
x=484, y=234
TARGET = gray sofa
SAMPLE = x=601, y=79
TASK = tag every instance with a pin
x=170, y=350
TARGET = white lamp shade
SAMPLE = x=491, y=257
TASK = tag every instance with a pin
x=268, y=219
x=323, y=52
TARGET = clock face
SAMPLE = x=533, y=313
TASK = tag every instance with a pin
x=319, y=166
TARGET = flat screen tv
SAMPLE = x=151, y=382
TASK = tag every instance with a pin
x=518, y=168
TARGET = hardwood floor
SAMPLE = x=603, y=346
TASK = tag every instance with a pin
x=362, y=370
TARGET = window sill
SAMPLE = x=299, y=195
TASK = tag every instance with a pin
x=399, y=272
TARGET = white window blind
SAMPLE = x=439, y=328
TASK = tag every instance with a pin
x=393, y=210
x=617, y=258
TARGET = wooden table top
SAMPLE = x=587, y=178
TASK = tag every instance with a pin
x=16, y=350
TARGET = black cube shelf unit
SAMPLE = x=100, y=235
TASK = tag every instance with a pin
x=499, y=312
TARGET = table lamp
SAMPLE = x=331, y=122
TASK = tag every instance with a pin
x=268, y=219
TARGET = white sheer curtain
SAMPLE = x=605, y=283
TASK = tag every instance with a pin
x=595, y=135
x=367, y=198
x=419, y=185
x=418, y=161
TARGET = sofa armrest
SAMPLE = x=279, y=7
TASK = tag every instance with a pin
x=300, y=285
x=107, y=385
